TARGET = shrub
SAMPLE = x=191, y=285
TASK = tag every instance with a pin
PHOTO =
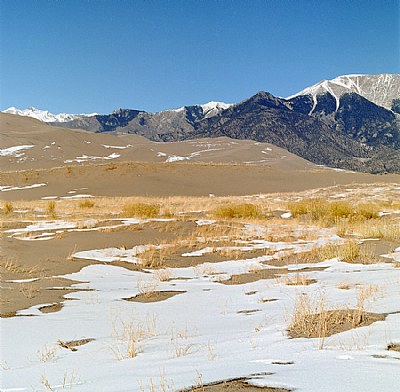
x=238, y=211
x=312, y=319
x=141, y=210
x=8, y=208
x=86, y=204
x=332, y=212
x=51, y=208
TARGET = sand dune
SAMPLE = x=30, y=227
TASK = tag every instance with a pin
x=57, y=162
x=55, y=146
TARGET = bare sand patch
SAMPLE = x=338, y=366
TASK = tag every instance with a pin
x=280, y=274
x=22, y=295
x=393, y=347
x=72, y=344
x=153, y=296
x=248, y=311
x=51, y=308
x=250, y=277
x=240, y=384
x=331, y=322
x=169, y=179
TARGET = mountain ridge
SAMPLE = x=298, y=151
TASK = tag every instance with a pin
x=328, y=123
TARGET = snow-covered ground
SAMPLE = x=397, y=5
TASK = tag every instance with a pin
x=203, y=335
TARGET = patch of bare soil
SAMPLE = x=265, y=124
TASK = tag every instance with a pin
x=393, y=347
x=332, y=322
x=240, y=384
x=172, y=257
x=249, y=311
x=380, y=247
x=254, y=276
x=51, y=308
x=40, y=260
x=22, y=295
x=299, y=281
x=268, y=273
x=169, y=179
x=72, y=344
x=153, y=296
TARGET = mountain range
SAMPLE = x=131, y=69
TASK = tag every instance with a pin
x=350, y=122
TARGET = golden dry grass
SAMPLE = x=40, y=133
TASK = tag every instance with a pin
x=86, y=203
x=51, y=208
x=141, y=210
x=321, y=210
x=244, y=210
x=383, y=228
x=312, y=318
x=8, y=208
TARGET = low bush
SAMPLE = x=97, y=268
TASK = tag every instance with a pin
x=141, y=210
x=331, y=212
x=86, y=204
x=231, y=211
x=8, y=208
x=51, y=208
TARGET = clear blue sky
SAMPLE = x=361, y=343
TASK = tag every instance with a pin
x=85, y=56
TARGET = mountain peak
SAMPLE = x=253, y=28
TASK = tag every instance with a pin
x=45, y=115
x=380, y=89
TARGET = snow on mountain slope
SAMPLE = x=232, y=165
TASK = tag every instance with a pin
x=209, y=109
x=380, y=89
x=212, y=108
x=46, y=116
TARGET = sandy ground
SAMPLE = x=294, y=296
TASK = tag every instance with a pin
x=167, y=179
x=54, y=146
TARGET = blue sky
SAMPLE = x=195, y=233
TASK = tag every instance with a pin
x=97, y=56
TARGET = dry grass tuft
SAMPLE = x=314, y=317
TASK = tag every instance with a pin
x=129, y=336
x=8, y=208
x=155, y=257
x=350, y=252
x=320, y=210
x=297, y=280
x=163, y=275
x=86, y=204
x=312, y=319
x=47, y=353
x=51, y=208
x=384, y=229
x=12, y=266
x=141, y=210
x=231, y=211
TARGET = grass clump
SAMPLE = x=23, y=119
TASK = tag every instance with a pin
x=86, y=204
x=330, y=212
x=245, y=210
x=349, y=252
x=384, y=229
x=8, y=208
x=141, y=210
x=51, y=208
x=312, y=319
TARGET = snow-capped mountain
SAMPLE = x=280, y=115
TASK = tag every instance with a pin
x=212, y=108
x=380, y=89
x=209, y=109
x=46, y=116
x=351, y=122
